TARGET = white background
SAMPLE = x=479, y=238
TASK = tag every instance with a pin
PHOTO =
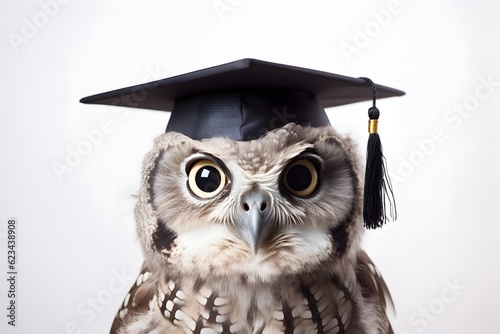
x=77, y=248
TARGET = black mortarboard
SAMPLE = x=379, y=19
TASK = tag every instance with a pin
x=244, y=99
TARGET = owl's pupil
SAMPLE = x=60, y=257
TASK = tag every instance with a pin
x=299, y=178
x=208, y=179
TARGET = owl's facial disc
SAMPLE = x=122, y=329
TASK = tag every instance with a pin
x=282, y=204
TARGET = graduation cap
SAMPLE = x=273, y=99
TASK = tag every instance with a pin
x=245, y=99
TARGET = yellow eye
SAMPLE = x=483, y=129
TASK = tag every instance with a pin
x=301, y=178
x=206, y=179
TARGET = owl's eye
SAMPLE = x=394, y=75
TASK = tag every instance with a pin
x=206, y=179
x=301, y=178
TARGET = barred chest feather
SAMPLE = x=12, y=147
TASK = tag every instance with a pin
x=327, y=305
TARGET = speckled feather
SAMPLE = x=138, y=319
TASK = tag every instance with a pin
x=199, y=276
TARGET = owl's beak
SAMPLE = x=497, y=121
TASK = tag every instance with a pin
x=253, y=228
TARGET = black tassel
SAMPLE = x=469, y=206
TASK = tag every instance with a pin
x=378, y=188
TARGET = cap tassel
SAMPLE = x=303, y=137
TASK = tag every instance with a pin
x=378, y=188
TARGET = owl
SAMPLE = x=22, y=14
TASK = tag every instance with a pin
x=257, y=236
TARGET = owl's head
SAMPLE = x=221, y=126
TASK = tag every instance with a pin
x=283, y=204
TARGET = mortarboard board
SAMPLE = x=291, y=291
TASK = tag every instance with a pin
x=244, y=99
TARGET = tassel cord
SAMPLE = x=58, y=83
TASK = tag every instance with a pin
x=378, y=188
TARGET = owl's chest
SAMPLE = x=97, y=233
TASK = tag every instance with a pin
x=322, y=307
